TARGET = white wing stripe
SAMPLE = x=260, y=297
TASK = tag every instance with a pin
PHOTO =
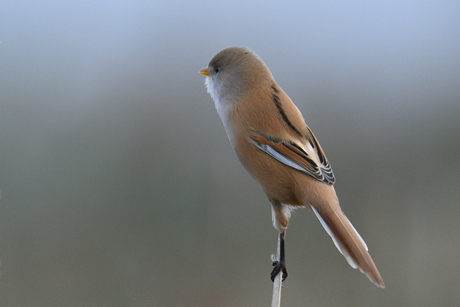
x=268, y=149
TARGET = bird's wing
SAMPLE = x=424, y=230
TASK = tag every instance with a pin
x=308, y=159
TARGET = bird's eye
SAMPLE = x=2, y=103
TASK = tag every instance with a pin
x=216, y=69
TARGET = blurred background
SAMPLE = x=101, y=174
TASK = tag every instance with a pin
x=119, y=186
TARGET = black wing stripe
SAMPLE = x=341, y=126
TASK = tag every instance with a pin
x=277, y=102
x=299, y=151
x=320, y=173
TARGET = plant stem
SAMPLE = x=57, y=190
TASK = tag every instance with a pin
x=277, y=283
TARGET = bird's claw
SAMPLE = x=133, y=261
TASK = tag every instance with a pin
x=278, y=266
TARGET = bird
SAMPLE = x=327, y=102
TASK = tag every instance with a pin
x=281, y=153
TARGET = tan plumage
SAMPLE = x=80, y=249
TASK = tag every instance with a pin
x=279, y=150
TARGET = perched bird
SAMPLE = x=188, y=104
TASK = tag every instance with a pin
x=280, y=152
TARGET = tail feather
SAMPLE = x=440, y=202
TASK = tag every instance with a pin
x=349, y=242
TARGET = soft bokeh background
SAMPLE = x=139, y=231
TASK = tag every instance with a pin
x=119, y=186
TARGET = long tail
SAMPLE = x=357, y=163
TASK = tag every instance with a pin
x=349, y=242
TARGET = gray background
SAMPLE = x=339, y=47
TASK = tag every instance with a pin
x=119, y=186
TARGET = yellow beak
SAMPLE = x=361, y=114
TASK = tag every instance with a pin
x=204, y=71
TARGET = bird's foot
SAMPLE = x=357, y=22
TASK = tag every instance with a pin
x=278, y=266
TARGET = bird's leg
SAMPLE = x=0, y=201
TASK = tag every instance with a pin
x=280, y=264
